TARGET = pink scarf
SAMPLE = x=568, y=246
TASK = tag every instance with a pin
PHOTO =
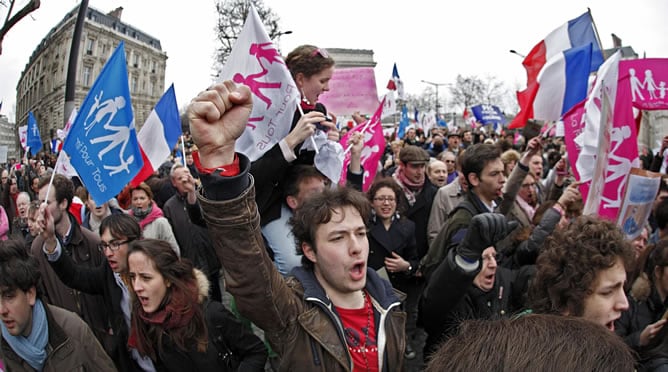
x=411, y=189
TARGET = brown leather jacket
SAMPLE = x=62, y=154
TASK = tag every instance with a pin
x=71, y=347
x=295, y=313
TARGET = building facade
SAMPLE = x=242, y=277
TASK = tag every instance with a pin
x=8, y=137
x=41, y=88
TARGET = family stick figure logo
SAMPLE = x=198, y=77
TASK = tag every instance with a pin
x=648, y=85
x=105, y=112
x=267, y=52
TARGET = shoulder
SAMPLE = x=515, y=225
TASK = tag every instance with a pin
x=70, y=322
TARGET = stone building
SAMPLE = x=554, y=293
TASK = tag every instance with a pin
x=41, y=88
x=8, y=137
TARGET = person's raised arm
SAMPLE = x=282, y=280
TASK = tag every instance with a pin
x=218, y=117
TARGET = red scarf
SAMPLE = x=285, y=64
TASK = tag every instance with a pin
x=178, y=312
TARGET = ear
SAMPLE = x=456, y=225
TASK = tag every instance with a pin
x=32, y=296
x=63, y=205
x=309, y=252
x=473, y=179
x=291, y=201
x=299, y=80
x=168, y=283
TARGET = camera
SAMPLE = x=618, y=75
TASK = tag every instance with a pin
x=323, y=127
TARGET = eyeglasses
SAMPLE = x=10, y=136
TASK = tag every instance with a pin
x=323, y=53
x=528, y=185
x=449, y=161
x=113, y=245
x=383, y=199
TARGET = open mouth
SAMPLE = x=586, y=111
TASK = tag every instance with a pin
x=358, y=271
x=610, y=325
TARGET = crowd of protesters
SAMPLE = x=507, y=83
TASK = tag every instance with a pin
x=462, y=235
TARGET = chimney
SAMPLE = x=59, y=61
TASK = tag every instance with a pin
x=616, y=41
x=116, y=13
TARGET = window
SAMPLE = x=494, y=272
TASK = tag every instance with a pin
x=151, y=88
x=90, y=44
x=133, y=86
x=86, y=76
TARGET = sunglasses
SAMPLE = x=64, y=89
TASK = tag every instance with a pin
x=323, y=53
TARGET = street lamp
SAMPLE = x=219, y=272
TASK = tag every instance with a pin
x=278, y=35
x=435, y=85
x=513, y=51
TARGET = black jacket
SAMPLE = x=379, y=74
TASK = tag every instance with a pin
x=400, y=238
x=450, y=298
x=419, y=213
x=226, y=334
x=100, y=281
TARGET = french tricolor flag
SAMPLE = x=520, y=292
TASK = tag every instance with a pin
x=578, y=32
x=159, y=135
x=561, y=84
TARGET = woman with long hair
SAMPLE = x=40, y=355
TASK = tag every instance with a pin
x=175, y=324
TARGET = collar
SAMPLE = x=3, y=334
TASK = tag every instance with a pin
x=380, y=290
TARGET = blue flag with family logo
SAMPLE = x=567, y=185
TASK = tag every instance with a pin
x=102, y=143
x=488, y=114
x=34, y=140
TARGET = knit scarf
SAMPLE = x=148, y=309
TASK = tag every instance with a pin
x=178, y=311
x=411, y=189
x=32, y=349
x=144, y=217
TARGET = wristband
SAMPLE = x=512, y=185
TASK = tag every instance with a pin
x=228, y=170
x=559, y=208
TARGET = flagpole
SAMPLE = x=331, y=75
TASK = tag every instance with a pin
x=48, y=188
x=299, y=107
x=598, y=38
x=183, y=151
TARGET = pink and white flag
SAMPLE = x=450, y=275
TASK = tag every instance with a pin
x=256, y=63
x=23, y=136
x=63, y=165
x=374, y=145
x=648, y=82
x=587, y=144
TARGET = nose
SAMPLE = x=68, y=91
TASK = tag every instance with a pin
x=357, y=244
x=621, y=303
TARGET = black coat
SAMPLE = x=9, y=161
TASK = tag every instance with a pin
x=226, y=334
x=419, y=213
x=100, y=281
x=400, y=238
x=450, y=298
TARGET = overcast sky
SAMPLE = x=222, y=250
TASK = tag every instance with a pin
x=428, y=40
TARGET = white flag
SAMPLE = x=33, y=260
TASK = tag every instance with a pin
x=256, y=63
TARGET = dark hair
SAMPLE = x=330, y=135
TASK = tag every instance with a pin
x=570, y=261
x=18, y=269
x=121, y=225
x=298, y=174
x=307, y=59
x=390, y=183
x=319, y=209
x=178, y=272
x=477, y=157
x=537, y=342
x=661, y=214
x=62, y=186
